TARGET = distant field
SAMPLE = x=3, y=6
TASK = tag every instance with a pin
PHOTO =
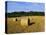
x=14, y=26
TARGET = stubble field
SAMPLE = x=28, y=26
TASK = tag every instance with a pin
x=16, y=26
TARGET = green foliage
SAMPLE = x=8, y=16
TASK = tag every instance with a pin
x=18, y=14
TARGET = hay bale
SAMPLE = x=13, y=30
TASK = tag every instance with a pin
x=24, y=22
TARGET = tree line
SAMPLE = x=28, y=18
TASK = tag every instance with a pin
x=19, y=14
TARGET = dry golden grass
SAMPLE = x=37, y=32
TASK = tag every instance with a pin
x=16, y=27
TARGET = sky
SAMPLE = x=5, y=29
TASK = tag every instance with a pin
x=13, y=6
